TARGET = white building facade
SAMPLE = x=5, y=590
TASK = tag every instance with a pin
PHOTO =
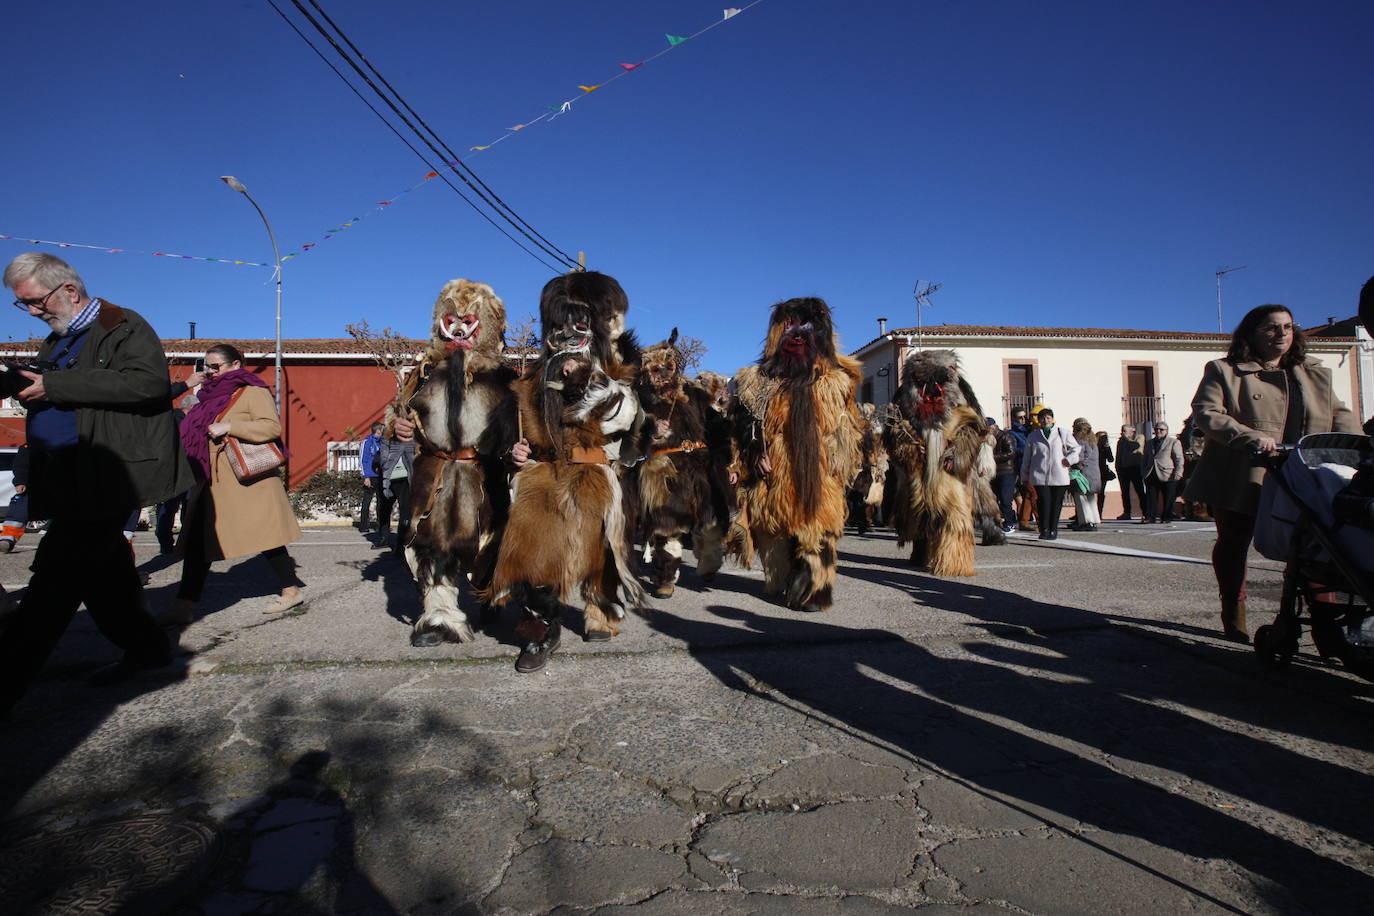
x=1110, y=376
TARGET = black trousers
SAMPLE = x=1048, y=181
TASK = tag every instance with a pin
x=1129, y=479
x=166, y=518
x=80, y=559
x=400, y=498
x=369, y=492
x=1051, y=504
x=1159, y=497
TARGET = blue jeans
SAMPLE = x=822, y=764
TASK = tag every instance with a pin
x=1004, y=487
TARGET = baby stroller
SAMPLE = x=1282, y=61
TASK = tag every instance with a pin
x=1316, y=514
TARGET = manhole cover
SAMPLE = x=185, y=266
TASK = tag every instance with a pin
x=131, y=865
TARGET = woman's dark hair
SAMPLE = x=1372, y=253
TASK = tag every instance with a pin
x=1367, y=305
x=1241, y=350
x=228, y=352
x=1042, y=411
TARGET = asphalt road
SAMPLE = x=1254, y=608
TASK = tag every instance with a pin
x=1066, y=732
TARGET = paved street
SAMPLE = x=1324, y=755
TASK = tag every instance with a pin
x=1063, y=733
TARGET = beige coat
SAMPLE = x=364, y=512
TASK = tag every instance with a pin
x=244, y=518
x=1164, y=457
x=1238, y=403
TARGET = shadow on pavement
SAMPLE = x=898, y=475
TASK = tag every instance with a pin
x=262, y=822
x=1093, y=686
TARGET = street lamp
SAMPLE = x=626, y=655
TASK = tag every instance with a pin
x=237, y=185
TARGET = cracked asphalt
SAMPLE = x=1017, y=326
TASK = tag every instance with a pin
x=1063, y=733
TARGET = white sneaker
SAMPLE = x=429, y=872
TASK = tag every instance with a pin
x=6, y=543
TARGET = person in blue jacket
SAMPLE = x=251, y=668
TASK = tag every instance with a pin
x=367, y=466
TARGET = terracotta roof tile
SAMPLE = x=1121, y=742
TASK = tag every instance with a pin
x=979, y=330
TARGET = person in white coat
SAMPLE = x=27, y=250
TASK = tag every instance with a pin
x=1050, y=451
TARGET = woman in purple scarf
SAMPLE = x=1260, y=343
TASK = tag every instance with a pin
x=227, y=518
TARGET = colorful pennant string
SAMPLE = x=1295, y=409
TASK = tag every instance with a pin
x=550, y=113
x=554, y=111
x=160, y=254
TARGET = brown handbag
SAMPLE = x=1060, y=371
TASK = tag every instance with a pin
x=250, y=460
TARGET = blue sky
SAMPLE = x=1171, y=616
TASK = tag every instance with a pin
x=1075, y=163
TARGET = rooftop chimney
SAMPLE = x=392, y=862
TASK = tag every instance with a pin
x=882, y=326
x=1331, y=319
x=193, y=329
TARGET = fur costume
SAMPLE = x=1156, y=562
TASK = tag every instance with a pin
x=797, y=429
x=459, y=396
x=938, y=443
x=866, y=492
x=683, y=486
x=566, y=538
x=717, y=388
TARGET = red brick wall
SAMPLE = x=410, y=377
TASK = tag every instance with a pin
x=322, y=401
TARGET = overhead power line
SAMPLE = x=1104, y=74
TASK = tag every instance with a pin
x=489, y=198
x=453, y=158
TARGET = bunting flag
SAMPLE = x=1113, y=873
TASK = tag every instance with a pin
x=160, y=254
x=553, y=111
x=550, y=113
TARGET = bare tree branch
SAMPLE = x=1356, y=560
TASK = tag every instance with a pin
x=392, y=352
x=691, y=351
x=522, y=337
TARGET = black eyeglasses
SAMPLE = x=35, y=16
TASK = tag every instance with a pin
x=27, y=304
x=1164, y=429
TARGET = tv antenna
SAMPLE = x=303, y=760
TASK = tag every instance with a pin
x=922, y=297
x=1221, y=272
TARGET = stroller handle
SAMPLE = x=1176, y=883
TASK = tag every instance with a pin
x=1275, y=459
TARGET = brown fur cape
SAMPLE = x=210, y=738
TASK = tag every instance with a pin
x=797, y=434
x=459, y=397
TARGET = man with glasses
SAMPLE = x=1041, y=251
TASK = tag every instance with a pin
x=103, y=443
x=1163, y=466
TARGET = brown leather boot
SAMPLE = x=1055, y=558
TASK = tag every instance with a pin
x=1233, y=620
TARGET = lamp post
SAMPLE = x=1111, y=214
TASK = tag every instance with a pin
x=1221, y=272
x=237, y=185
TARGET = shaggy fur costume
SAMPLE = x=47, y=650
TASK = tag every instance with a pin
x=683, y=486
x=459, y=396
x=937, y=445
x=797, y=429
x=717, y=388
x=566, y=538
x=866, y=492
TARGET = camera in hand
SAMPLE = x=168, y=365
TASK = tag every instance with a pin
x=11, y=382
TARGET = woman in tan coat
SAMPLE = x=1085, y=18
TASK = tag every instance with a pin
x=1266, y=391
x=227, y=518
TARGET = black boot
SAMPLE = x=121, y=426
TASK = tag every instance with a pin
x=539, y=627
x=1233, y=620
x=535, y=653
x=666, y=576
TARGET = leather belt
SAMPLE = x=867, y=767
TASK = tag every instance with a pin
x=582, y=454
x=578, y=454
x=463, y=454
x=684, y=447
